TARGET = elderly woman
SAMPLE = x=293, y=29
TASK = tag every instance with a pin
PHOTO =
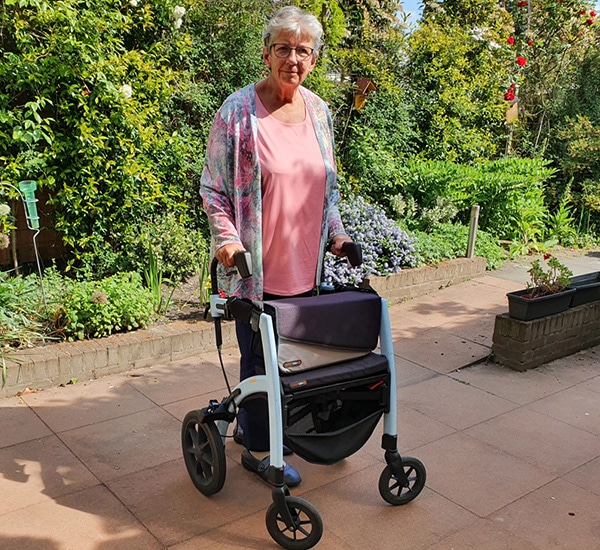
x=269, y=187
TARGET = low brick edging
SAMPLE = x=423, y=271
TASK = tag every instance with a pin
x=523, y=345
x=54, y=364
x=411, y=283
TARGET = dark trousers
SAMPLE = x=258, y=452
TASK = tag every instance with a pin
x=253, y=416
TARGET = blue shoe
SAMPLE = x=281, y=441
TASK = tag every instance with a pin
x=261, y=468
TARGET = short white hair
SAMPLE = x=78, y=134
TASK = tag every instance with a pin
x=294, y=20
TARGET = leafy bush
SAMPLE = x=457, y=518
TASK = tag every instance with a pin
x=101, y=105
x=448, y=241
x=509, y=191
x=61, y=307
x=178, y=249
x=457, y=73
x=93, y=309
x=82, y=113
x=386, y=248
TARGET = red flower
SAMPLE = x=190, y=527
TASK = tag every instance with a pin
x=583, y=12
x=521, y=61
x=510, y=93
x=530, y=42
x=592, y=14
x=589, y=21
x=510, y=40
x=522, y=4
x=85, y=92
x=547, y=256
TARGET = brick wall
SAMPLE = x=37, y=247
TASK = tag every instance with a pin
x=523, y=345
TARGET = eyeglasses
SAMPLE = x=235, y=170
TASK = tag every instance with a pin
x=283, y=50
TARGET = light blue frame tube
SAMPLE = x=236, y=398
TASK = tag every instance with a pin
x=267, y=383
x=387, y=349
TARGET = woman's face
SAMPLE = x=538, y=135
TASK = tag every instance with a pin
x=290, y=70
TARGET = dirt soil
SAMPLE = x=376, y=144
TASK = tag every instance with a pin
x=185, y=302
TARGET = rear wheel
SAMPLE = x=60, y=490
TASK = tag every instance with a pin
x=394, y=491
x=204, y=453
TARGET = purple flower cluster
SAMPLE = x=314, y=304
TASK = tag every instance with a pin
x=386, y=248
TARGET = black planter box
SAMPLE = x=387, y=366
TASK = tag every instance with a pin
x=587, y=288
x=527, y=309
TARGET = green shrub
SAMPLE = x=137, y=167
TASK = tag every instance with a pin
x=507, y=190
x=93, y=309
x=448, y=241
x=85, y=109
x=177, y=248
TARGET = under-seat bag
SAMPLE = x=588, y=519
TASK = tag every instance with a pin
x=326, y=329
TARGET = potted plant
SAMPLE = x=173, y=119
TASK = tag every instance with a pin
x=548, y=291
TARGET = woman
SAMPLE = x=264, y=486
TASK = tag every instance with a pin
x=269, y=187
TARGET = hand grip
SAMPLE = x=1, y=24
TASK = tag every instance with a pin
x=243, y=263
x=354, y=253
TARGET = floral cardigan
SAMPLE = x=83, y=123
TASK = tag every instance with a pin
x=231, y=184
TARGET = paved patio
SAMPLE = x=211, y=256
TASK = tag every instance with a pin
x=513, y=459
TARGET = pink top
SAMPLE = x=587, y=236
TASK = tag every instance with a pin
x=293, y=191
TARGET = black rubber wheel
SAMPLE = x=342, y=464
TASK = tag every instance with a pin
x=392, y=491
x=204, y=453
x=308, y=525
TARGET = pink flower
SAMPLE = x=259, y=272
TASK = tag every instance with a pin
x=521, y=61
x=510, y=40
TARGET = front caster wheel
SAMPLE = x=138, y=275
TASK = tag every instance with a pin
x=307, y=528
x=204, y=453
x=395, y=492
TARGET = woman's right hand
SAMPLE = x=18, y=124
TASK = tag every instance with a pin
x=226, y=253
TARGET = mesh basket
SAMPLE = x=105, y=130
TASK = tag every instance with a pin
x=329, y=427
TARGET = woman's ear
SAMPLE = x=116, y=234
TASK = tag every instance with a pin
x=265, y=57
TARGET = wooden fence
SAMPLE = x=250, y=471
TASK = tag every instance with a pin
x=21, y=250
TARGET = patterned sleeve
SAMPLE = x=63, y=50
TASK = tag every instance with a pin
x=334, y=221
x=216, y=188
